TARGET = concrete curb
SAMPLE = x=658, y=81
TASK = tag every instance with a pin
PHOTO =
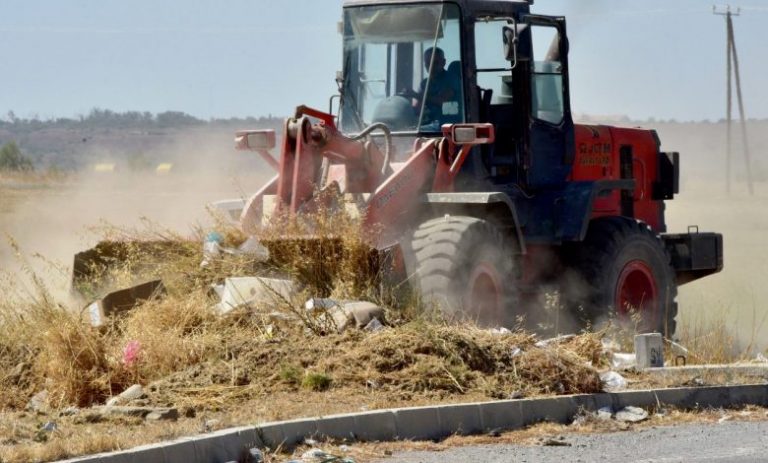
x=421, y=423
x=746, y=369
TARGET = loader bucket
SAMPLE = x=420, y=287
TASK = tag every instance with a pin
x=93, y=269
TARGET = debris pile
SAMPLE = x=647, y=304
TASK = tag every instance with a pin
x=606, y=414
x=179, y=339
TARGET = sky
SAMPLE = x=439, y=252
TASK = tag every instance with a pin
x=653, y=58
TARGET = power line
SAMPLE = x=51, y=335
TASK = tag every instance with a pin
x=659, y=11
x=725, y=10
x=655, y=11
x=732, y=69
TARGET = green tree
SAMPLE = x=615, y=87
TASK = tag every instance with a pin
x=173, y=119
x=11, y=158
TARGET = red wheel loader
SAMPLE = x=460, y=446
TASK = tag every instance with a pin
x=454, y=144
x=454, y=140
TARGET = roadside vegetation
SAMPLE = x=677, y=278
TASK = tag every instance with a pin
x=13, y=160
x=189, y=357
x=260, y=363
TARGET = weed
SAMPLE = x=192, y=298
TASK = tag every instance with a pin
x=290, y=374
x=707, y=340
x=316, y=381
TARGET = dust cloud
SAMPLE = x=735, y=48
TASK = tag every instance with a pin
x=738, y=295
x=51, y=220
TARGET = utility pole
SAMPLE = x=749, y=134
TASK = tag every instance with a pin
x=732, y=69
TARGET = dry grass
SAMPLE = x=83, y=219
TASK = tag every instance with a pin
x=328, y=251
x=705, y=339
x=196, y=361
x=708, y=341
x=209, y=365
x=205, y=364
x=713, y=338
x=22, y=442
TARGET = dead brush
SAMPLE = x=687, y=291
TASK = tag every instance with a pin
x=17, y=356
x=327, y=251
x=45, y=346
x=170, y=335
x=72, y=358
x=708, y=340
x=125, y=256
x=192, y=356
x=422, y=357
x=702, y=339
x=557, y=370
x=588, y=345
x=51, y=347
x=56, y=351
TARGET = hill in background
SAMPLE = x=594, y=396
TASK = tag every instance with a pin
x=131, y=140
x=137, y=141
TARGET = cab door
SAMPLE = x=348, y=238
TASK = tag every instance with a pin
x=551, y=147
x=500, y=99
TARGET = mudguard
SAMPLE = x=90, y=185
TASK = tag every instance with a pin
x=576, y=205
x=496, y=205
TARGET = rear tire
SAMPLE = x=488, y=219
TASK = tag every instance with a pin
x=622, y=271
x=465, y=267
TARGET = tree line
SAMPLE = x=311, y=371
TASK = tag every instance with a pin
x=21, y=148
x=143, y=120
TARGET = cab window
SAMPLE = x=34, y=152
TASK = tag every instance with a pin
x=547, y=79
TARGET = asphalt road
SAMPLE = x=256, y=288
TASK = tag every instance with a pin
x=712, y=443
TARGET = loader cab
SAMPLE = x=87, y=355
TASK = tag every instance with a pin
x=402, y=67
x=497, y=63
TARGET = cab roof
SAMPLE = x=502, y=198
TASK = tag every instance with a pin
x=467, y=5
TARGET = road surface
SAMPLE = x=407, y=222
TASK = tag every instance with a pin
x=711, y=443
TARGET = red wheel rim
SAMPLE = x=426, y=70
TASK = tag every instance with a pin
x=637, y=292
x=483, y=298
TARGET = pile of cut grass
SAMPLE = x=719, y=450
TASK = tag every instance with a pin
x=328, y=252
x=193, y=356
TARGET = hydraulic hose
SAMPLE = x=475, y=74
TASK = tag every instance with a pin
x=387, y=136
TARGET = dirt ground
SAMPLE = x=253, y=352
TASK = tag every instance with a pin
x=75, y=435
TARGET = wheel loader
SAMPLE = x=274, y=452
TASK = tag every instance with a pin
x=452, y=137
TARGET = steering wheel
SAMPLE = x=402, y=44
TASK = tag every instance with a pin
x=407, y=93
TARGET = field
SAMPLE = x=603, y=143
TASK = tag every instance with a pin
x=736, y=297
x=233, y=372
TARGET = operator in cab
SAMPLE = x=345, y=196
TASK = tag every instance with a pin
x=438, y=88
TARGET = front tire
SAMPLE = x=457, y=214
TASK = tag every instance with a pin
x=465, y=267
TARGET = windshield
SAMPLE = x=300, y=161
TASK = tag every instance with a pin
x=402, y=67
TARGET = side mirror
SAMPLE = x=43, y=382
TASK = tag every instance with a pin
x=517, y=40
x=254, y=140
x=510, y=44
